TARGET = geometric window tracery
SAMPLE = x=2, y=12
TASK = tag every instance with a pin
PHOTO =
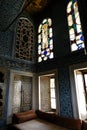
x=74, y=24
x=45, y=40
x=24, y=40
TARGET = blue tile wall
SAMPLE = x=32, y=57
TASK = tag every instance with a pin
x=16, y=64
x=6, y=40
x=9, y=10
x=65, y=92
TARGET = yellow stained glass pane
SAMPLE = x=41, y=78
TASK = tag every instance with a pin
x=77, y=18
x=51, y=46
x=39, y=38
x=72, y=34
x=50, y=30
x=69, y=4
x=51, y=41
x=70, y=21
x=39, y=59
x=47, y=49
x=42, y=55
x=39, y=47
x=51, y=34
x=74, y=47
x=44, y=21
x=38, y=52
x=68, y=10
x=49, y=22
x=75, y=6
x=39, y=29
x=78, y=28
x=69, y=7
x=45, y=58
x=71, y=31
x=51, y=55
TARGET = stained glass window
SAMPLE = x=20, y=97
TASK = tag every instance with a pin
x=24, y=40
x=45, y=40
x=75, y=29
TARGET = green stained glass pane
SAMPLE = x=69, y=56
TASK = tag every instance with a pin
x=49, y=22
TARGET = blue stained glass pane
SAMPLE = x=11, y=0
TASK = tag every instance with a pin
x=45, y=52
x=80, y=33
x=39, y=43
x=50, y=38
x=49, y=46
x=82, y=38
x=75, y=0
x=79, y=46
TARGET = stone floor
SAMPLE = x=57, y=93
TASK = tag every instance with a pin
x=3, y=128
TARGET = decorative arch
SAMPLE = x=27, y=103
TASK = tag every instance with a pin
x=74, y=24
x=45, y=40
x=24, y=48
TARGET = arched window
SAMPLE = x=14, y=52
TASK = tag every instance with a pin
x=24, y=40
x=74, y=24
x=45, y=40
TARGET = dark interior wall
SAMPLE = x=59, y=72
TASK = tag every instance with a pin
x=63, y=56
x=60, y=29
x=83, y=15
x=62, y=52
x=57, y=12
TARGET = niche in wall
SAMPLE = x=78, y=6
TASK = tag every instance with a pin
x=22, y=93
x=2, y=91
x=20, y=97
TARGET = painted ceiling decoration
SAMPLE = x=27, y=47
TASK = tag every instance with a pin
x=36, y=5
